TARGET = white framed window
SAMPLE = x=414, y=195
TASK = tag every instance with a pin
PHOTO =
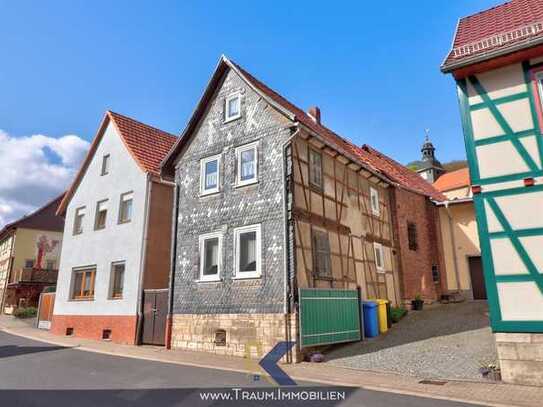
x=374, y=201
x=101, y=215
x=105, y=164
x=78, y=220
x=210, y=175
x=247, y=252
x=247, y=164
x=315, y=169
x=125, y=207
x=379, y=257
x=232, y=107
x=210, y=256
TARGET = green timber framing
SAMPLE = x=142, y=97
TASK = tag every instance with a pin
x=535, y=170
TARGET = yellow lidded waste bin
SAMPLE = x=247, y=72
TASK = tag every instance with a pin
x=383, y=317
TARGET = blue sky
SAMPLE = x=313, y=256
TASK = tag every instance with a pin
x=372, y=67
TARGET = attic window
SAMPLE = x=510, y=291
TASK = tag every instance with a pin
x=105, y=164
x=232, y=108
x=374, y=200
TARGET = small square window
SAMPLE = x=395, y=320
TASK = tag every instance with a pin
x=29, y=263
x=374, y=200
x=78, y=220
x=210, y=175
x=210, y=256
x=232, y=108
x=105, y=164
x=247, y=163
x=101, y=215
x=50, y=265
x=315, y=168
x=125, y=208
x=117, y=280
x=321, y=254
x=247, y=252
x=379, y=257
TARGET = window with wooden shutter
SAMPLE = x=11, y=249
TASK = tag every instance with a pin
x=315, y=169
x=321, y=254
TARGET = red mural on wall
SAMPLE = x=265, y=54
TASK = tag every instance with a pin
x=44, y=246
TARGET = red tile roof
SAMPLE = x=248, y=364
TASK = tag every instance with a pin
x=44, y=218
x=374, y=159
x=499, y=27
x=146, y=144
x=453, y=180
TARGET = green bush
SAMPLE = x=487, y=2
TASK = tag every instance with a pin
x=28, y=312
x=397, y=313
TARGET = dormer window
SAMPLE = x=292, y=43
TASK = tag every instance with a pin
x=105, y=164
x=232, y=108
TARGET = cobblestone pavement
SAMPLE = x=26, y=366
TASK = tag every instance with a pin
x=444, y=341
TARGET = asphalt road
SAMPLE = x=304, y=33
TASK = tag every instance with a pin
x=39, y=374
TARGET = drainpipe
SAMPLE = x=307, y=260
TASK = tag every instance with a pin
x=137, y=339
x=173, y=255
x=453, y=245
x=287, y=286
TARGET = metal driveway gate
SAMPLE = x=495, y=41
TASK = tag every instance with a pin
x=328, y=316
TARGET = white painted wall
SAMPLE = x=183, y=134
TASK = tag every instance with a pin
x=117, y=242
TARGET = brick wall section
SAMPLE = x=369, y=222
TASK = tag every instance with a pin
x=123, y=327
x=232, y=207
x=521, y=357
x=416, y=266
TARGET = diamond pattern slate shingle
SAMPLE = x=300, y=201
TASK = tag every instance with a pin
x=497, y=20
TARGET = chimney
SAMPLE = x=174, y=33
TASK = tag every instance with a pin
x=315, y=114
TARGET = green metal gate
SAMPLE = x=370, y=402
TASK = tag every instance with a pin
x=328, y=316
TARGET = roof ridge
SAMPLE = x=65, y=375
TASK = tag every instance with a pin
x=508, y=2
x=111, y=112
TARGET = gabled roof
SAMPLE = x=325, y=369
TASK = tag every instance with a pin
x=453, y=180
x=146, y=144
x=399, y=173
x=379, y=164
x=505, y=28
x=44, y=218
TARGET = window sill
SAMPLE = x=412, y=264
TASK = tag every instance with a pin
x=124, y=221
x=253, y=277
x=82, y=299
x=232, y=119
x=218, y=280
x=208, y=194
x=115, y=298
x=242, y=184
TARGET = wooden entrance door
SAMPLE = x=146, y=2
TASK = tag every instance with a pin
x=155, y=312
x=477, y=278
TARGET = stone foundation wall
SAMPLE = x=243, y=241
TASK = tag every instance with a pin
x=247, y=335
x=521, y=357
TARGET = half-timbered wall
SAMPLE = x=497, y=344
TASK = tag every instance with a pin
x=342, y=210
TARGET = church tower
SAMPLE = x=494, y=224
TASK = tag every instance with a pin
x=431, y=169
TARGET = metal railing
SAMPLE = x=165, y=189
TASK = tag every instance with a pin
x=34, y=275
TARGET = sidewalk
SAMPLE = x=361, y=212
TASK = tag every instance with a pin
x=465, y=391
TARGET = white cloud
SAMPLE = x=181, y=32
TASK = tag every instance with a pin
x=34, y=169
